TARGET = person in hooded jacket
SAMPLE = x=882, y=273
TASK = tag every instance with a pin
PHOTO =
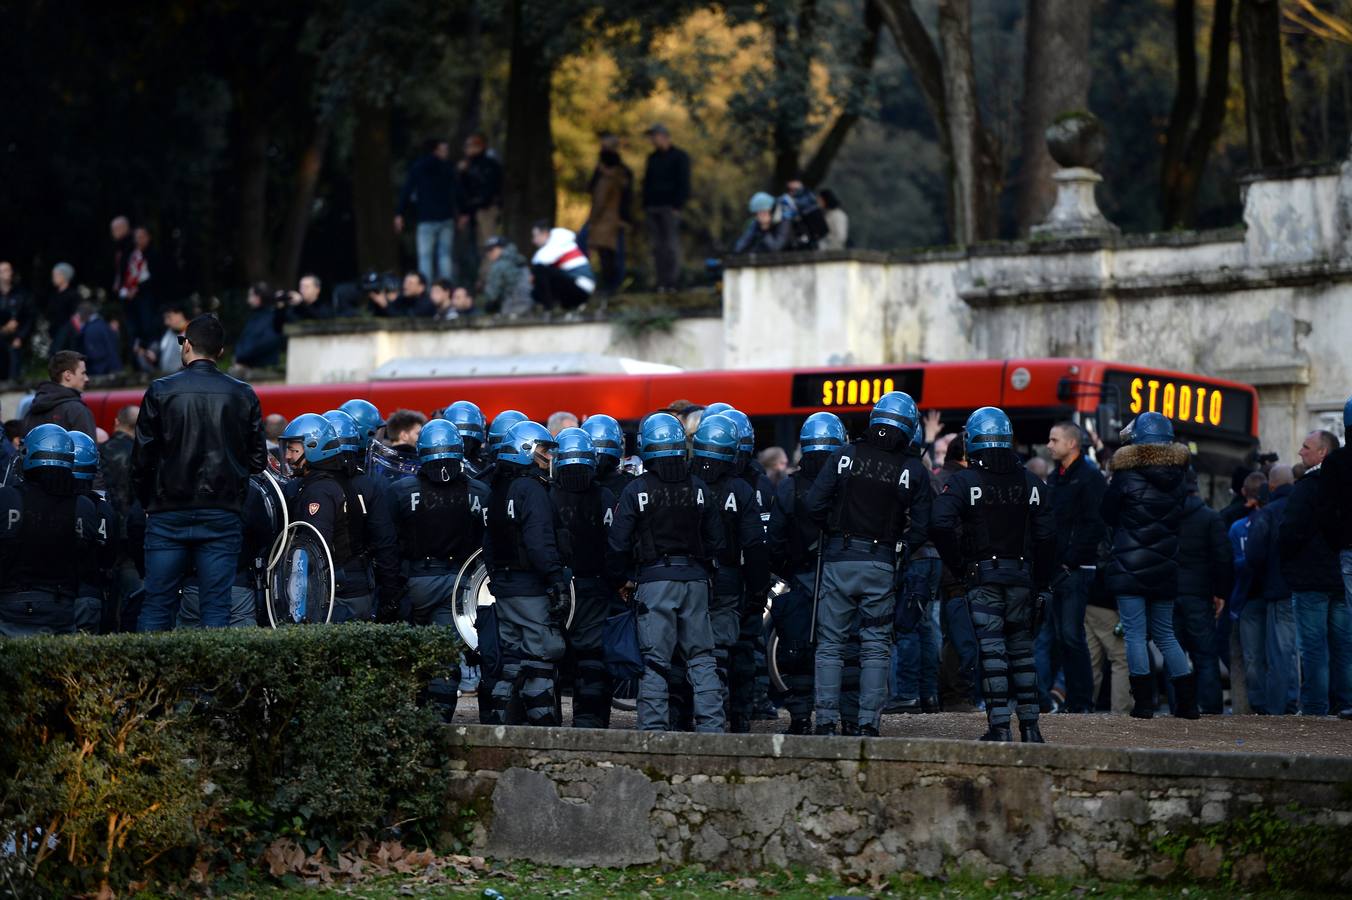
x=1267, y=624
x=58, y=401
x=1144, y=505
x=1205, y=574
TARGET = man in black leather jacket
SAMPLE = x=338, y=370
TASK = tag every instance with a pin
x=198, y=439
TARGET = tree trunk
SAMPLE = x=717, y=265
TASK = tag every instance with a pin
x=372, y=193
x=814, y=173
x=1186, y=149
x=971, y=146
x=1056, y=74
x=253, y=195
x=792, y=53
x=528, y=189
x=471, y=105
x=922, y=57
x=1265, y=109
x=308, y=167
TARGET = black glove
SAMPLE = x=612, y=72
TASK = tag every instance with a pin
x=387, y=612
x=560, y=602
x=1041, y=600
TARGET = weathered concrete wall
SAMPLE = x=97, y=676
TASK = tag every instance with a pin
x=1270, y=304
x=871, y=807
x=352, y=350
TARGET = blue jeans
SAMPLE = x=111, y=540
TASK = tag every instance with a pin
x=435, y=241
x=1070, y=596
x=961, y=633
x=1267, y=637
x=1195, y=624
x=208, y=540
x=1324, y=640
x=1345, y=559
x=915, y=652
x=1140, y=615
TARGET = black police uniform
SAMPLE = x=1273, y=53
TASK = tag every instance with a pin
x=40, y=531
x=664, y=538
x=96, y=568
x=794, y=543
x=743, y=574
x=440, y=525
x=584, y=519
x=614, y=480
x=994, y=526
x=352, y=515
x=867, y=499
x=529, y=584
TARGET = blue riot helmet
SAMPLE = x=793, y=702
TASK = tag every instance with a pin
x=989, y=429
x=367, y=417
x=1347, y=416
x=523, y=441
x=661, y=436
x=318, y=438
x=822, y=432
x=607, y=438
x=717, y=438
x=1148, y=428
x=470, y=420
x=717, y=409
x=48, y=446
x=440, y=439
x=502, y=423
x=86, y=457
x=897, y=410
x=349, y=433
x=575, y=460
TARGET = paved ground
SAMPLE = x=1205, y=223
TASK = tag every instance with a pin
x=1293, y=735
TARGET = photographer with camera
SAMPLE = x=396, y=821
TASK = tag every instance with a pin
x=260, y=341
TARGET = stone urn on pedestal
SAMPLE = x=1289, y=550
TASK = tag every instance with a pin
x=1076, y=141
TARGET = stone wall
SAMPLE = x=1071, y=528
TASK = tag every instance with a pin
x=1269, y=304
x=343, y=351
x=870, y=807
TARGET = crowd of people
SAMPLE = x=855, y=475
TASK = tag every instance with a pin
x=129, y=318
x=893, y=565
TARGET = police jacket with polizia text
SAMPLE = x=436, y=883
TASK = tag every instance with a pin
x=584, y=519
x=42, y=533
x=867, y=493
x=438, y=520
x=657, y=522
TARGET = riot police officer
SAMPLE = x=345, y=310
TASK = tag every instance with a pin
x=584, y=511
x=743, y=564
x=662, y=543
x=43, y=523
x=96, y=567
x=794, y=542
x=349, y=438
x=439, y=514
x=994, y=526
x=350, y=514
x=527, y=576
x=469, y=419
x=608, y=439
x=869, y=497
x=368, y=419
x=497, y=436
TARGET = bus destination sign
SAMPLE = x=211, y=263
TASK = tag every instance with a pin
x=1194, y=407
x=856, y=388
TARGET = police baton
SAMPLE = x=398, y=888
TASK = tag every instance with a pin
x=816, y=590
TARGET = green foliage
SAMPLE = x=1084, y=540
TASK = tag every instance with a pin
x=119, y=751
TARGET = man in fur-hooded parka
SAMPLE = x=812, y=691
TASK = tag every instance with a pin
x=1143, y=505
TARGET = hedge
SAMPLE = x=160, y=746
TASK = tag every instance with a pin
x=127, y=759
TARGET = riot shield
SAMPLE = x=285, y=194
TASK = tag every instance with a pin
x=471, y=591
x=388, y=463
x=300, y=586
x=274, y=501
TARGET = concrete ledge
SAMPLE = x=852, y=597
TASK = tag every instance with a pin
x=871, y=807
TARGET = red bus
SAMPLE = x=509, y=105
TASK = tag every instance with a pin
x=1219, y=418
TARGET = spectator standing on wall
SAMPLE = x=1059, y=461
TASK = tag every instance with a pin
x=144, y=285
x=837, y=222
x=666, y=190
x=61, y=304
x=99, y=341
x=16, y=322
x=479, y=179
x=609, y=217
x=429, y=198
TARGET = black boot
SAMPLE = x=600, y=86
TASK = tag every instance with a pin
x=849, y=729
x=825, y=729
x=998, y=733
x=1029, y=733
x=1143, y=692
x=930, y=705
x=741, y=724
x=868, y=731
x=799, y=725
x=1185, y=697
